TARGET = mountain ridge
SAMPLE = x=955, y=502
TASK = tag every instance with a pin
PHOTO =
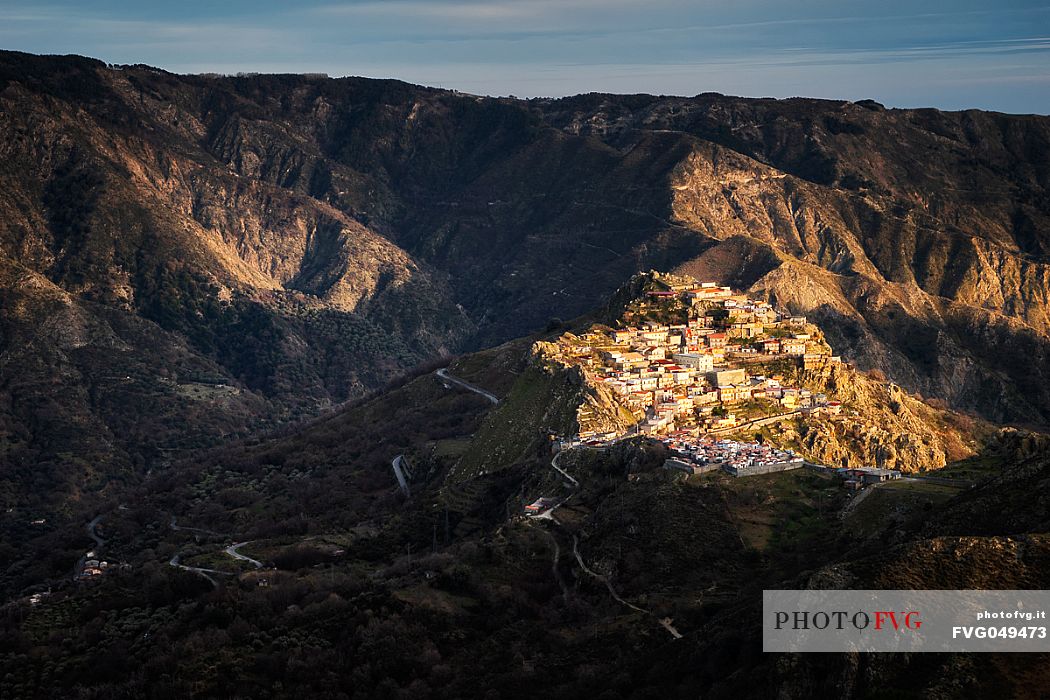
x=303, y=239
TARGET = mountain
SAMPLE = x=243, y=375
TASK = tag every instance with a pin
x=419, y=221
x=187, y=261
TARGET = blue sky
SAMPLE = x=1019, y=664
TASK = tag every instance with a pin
x=952, y=54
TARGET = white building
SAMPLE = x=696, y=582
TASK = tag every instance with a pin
x=698, y=361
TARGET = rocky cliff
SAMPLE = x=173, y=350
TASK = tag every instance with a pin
x=886, y=427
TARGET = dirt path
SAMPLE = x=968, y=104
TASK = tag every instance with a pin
x=851, y=506
x=663, y=622
x=548, y=514
x=201, y=530
x=554, y=565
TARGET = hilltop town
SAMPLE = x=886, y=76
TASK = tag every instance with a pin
x=694, y=357
x=731, y=383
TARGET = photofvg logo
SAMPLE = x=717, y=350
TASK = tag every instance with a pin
x=900, y=620
x=840, y=619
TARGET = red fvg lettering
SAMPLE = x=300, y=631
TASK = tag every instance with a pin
x=909, y=619
x=912, y=621
x=881, y=615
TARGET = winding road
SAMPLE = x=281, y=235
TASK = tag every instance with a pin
x=206, y=573
x=554, y=464
x=663, y=622
x=232, y=551
x=600, y=577
x=91, y=553
x=229, y=551
x=548, y=514
x=94, y=535
x=443, y=373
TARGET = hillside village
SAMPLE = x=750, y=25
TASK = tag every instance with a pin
x=726, y=382
x=698, y=358
x=692, y=361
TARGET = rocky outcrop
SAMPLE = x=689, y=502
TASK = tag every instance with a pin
x=884, y=426
x=598, y=410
